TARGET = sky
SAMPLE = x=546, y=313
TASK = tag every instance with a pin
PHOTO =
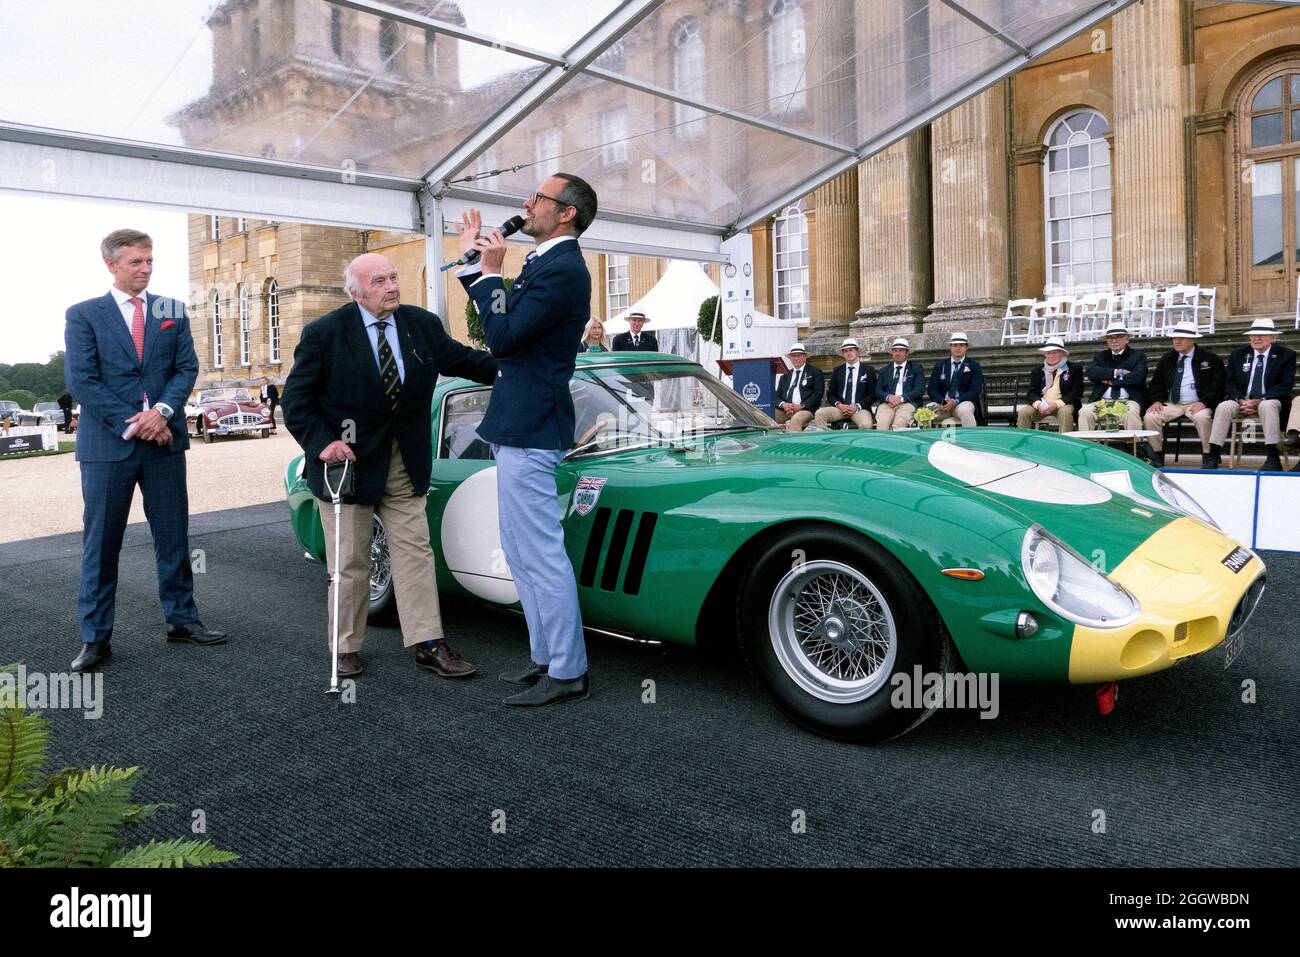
x=51, y=247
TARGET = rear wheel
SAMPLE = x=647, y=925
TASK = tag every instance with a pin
x=207, y=434
x=383, y=601
x=827, y=619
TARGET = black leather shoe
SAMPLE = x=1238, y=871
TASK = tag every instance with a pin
x=93, y=654
x=1273, y=463
x=196, y=633
x=529, y=676
x=1292, y=439
x=550, y=690
x=1150, y=455
x=1209, y=461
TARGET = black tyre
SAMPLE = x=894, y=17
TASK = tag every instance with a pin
x=827, y=617
x=383, y=600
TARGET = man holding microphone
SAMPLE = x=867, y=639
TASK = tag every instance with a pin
x=533, y=330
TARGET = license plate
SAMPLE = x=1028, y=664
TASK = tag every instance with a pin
x=1232, y=647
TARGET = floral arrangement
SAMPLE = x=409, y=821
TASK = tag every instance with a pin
x=1110, y=414
x=925, y=415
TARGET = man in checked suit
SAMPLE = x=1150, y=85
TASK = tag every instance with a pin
x=853, y=386
x=360, y=391
x=900, y=388
x=533, y=330
x=130, y=361
x=799, y=391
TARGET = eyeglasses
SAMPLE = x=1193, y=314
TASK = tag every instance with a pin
x=558, y=202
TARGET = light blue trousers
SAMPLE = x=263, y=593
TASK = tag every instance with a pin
x=533, y=540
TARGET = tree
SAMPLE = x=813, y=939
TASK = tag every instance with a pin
x=24, y=398
x=471, y=316
x=710, y=330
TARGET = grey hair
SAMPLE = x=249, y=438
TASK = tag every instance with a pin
x=119, y=239
x=351, y=284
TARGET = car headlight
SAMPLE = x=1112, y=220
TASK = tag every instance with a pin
x=1177, y=496
x=1066, y=583
x=212, y=416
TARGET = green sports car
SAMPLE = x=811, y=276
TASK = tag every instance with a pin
x=844, y=562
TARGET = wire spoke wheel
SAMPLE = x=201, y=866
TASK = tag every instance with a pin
x=832, y=631
x=381, y=563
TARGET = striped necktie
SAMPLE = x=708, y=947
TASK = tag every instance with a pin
x=388, y=367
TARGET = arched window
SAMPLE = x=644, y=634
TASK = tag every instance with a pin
x=215, y=302
x=336, y=31
x=1076, y=178
x=273, y=321
x=1268, y=134
x=786, y=57
x=790, y=246
x=688, y=77
x=243, y=326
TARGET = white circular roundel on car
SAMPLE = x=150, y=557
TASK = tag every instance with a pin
x=1013, y=477
x=471, y=540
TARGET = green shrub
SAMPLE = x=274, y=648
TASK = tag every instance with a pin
x=705, y=322
x=471, y=316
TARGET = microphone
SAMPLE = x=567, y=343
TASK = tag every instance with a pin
x=508, y=228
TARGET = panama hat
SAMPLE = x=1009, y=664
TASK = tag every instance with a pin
x=1185, y=330
x=798, y=347
x=1261, y=327
x=1053, y=344
x=901, y=344
x=1116, y=329
x=850, y=344
x=958, y=338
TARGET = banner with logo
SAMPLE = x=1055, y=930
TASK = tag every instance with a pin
x=738, y=297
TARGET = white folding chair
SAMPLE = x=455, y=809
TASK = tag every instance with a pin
x=1092, y=315
x=1050, y=317
x=1141, y=311
x=1179, y=306
x=1015, y=324
x=1205, y=296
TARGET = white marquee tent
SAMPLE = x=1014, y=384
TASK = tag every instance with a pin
x=344, y=112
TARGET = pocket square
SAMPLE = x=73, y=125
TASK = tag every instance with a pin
x=167, y=324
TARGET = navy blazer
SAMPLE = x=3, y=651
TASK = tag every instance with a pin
x=968, y=390
x=811, y=388
x=1207, y=373
x=335, y=379
x=913, y=382
x=623, y=342
x=110, y=381
x=533, y=330
x=1134, y=381
x=1071, y=384
x=1279, y=373
x=866, y=386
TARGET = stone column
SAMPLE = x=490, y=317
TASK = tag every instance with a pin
x=969, y=188
x=1149, y=176
x=833, y=240
x=894, y=231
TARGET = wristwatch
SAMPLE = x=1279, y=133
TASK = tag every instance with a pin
x=164, y=410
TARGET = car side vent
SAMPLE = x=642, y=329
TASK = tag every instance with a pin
x=879, y=458
x=617, y=545
x=795, y=450
x=640, y=550
x=595, y=545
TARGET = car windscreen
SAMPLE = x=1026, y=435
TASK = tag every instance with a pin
x=632, y=407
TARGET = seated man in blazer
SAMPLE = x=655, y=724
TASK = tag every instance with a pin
x=636, y=340
x=1259, y=380
x=798, y=392
x=852, y=388
x=1118, y=372
x=1188, y=381
x=900, y=388
x=1055, y=389
x=956, y=384
x=360, y=390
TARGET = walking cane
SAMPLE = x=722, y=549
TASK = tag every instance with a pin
x=336, y=494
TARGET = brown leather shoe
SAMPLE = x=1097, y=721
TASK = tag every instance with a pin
x=444, y=662
x=349, y=664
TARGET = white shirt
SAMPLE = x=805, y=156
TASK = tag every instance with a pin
x=851, y=383
x=128, y=307
x=542, y=249
x=796, y=394
x=390, y=333
x=1187, y=388
x=900, y=374
x=1123, y=393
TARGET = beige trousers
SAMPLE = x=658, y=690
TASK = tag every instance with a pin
x=1088, y=416
x=1269, y=415
x=797, y=422
x=410, y=554
x=1028, y=416
x=828, y=415
x=964, y=412
x=1293, y=420
x=890, y=417
x=1170, y=411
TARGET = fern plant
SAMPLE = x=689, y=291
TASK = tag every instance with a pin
x=73, y=818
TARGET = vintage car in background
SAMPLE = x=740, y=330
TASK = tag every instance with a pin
x=841, y=562
x=12, y=411
x=221, y=412
x=43, y=413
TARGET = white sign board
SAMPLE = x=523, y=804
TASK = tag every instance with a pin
x=738, y=298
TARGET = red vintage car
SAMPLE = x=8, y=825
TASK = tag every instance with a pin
x=219, y=412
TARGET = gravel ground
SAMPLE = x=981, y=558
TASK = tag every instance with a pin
x=43, y=494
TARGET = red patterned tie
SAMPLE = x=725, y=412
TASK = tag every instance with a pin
x=137, y=332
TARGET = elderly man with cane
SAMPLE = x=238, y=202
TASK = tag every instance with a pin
x=360, y=392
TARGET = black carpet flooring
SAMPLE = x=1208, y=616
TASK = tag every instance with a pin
x=419, y=769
